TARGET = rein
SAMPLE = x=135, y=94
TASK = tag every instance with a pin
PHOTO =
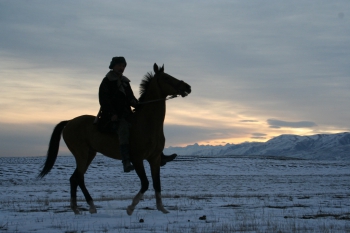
x=162, y=99
x=145, y=102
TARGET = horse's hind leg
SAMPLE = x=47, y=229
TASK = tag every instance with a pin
x=77, y=179
x=73, y=192
x=88, y=198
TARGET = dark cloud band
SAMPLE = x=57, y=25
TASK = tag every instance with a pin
x=273, y=123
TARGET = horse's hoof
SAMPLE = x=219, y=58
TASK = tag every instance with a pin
x=76, y=211
x=74, y=206
x=163, y=210
x=92, y=210
x=129, y=210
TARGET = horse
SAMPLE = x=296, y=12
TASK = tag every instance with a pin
x=146, y=141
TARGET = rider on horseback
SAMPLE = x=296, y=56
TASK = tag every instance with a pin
x=116, y=97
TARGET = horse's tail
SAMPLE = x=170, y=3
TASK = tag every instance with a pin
x=53, y=149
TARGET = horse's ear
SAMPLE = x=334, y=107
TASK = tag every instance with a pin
x=155, y=68
x=161, y=69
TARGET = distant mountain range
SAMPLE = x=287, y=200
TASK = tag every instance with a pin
x=319, y=146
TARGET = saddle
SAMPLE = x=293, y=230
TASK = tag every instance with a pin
x=104, y=126
x=107, y=126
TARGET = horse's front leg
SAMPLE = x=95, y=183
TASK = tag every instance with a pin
x=155, y=169
x=140, y=170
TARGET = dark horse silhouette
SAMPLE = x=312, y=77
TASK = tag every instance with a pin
x=146, y=139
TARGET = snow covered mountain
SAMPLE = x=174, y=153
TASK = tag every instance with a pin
x=320, y=146
x=197, y=149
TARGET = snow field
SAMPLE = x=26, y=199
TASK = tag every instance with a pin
x=203, y=194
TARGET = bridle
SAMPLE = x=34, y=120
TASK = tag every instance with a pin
x=177, y=87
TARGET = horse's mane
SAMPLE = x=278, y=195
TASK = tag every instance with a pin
x=144, y=85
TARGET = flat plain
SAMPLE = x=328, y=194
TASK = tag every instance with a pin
x=202, y=193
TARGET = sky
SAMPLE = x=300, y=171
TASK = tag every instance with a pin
x=258, y=69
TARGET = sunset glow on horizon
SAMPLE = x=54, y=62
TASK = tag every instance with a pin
x=256, y=70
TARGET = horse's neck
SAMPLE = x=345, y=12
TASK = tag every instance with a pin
x=154, y=112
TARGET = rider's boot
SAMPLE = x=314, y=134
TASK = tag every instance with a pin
x=167, y=158
x=124, y=151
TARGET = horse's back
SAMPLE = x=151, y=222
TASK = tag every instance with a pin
x=81, y=133
x=75, y=132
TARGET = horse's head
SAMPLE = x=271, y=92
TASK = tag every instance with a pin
x=170, y=85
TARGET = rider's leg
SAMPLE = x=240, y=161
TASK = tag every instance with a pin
x=123, y=134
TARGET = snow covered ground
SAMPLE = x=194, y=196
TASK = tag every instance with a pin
x=203, y=194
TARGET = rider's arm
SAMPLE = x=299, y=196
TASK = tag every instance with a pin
x=105, y=98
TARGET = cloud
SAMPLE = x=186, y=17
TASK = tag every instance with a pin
x=258, y=136
x=246, y=62
x=20, y=140
x=273, y=123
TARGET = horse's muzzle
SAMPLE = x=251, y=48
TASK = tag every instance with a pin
x=185, y=92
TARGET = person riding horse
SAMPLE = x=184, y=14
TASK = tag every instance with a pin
x=84, y=139
x=116, y=99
